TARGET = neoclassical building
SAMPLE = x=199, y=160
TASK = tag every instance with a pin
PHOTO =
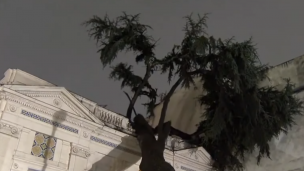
x=44, y=127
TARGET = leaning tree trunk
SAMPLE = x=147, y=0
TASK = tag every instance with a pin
x=152, y=149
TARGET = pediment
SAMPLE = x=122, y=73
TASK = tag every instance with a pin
x=58, y=97
x=199, y=154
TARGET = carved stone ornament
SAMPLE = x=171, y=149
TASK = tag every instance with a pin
x=56, y=102
x=85, y=134
x=48, y=111
x=87, y=154
x=15, y=166
x=110, y=118
x=58, y=95
x=14, y=130
x=103, y=114
x=12, y=108
x=9, y=129
x=75, y=149
x=78, y=151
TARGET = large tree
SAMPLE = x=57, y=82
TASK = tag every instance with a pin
x=239, y=115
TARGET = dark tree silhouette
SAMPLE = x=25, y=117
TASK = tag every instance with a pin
x=239, y=114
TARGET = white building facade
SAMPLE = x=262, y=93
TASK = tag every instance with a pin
x=44, y=127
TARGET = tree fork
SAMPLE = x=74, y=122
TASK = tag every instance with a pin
x=152, y=150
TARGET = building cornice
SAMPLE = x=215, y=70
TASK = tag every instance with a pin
x=23, y=100
x=109, y=119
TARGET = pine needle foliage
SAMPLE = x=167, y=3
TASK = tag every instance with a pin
x=240, y=116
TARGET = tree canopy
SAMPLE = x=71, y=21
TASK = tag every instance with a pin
x=239, y=117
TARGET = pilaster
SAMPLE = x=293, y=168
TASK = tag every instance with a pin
x=79, y=158
x=26, y=141
x=65, y=154
x=9, y=135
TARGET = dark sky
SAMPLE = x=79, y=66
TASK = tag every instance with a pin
x=46, y=39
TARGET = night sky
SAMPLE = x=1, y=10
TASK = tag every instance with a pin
x=46, y=38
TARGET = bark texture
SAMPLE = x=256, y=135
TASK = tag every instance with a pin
x=152, y=149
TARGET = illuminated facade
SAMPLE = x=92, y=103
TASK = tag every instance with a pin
x=47, y=127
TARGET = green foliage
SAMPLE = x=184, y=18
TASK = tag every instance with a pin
x=124, y=33
x=239, y=115
x=185, y=59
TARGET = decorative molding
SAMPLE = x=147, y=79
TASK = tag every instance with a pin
x=184, y=162
x=101, y=113
x=129, y=127
x=81, y=152
x=186, y=168
x=85, y=134
x=202, y=154
x=55, y=95
x=9, y=130
x=42, y=109
x=57, y=102
x=104, y=115
x=12, y=108
x=50, y=122
x=109, y=117
x=176, y=144
x=113, y=145
x=15, y=166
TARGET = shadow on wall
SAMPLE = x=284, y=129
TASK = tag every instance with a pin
x=58, y=118
x=118, y=159
x=286, y=151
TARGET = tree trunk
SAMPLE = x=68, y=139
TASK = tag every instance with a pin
x=152, y=150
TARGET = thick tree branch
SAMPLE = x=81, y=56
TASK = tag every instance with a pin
x=130, y=102
x=137, y=93
x=165, y=106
